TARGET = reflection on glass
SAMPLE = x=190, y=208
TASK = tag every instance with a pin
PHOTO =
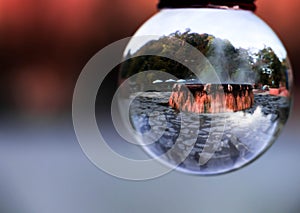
x=239, y=115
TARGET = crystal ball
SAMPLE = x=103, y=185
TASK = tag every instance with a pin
x=208, y=89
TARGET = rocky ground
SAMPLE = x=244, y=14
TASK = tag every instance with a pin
x=209, y=143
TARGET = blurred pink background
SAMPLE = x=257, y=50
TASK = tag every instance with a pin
x=45, y=44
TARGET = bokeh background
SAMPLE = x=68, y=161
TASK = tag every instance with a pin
x=43, y=47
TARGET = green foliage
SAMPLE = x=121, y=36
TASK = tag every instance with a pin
x=270, y=69
x=236, y=65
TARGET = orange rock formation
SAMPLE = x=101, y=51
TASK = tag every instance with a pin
x=211, y=98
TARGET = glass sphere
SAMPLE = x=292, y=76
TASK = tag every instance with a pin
x=209, y=89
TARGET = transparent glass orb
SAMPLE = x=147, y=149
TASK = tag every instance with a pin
x=209, y=89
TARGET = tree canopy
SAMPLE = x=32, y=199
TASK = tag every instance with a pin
x=232, y=65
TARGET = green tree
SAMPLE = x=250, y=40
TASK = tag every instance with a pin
x=269, y=67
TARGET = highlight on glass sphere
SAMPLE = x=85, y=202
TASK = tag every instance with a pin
x=214, y=112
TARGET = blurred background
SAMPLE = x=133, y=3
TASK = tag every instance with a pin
x=43, y=47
